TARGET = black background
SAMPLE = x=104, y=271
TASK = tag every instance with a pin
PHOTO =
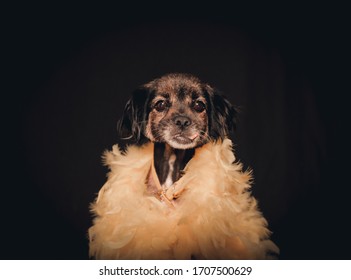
x=69, y=72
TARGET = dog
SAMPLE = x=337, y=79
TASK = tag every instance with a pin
x=179, y=114
x=175, y=190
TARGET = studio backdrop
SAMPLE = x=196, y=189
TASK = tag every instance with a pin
x=70, y=118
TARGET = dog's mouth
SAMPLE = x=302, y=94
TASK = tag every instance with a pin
x=182, y=141
x=185, y=139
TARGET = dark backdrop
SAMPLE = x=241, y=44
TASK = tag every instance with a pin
x=71, y=72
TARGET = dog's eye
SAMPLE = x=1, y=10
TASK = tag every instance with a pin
x=161, y=105
x=199, y=106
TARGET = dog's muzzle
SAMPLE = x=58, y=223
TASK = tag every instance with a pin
x=185, y=136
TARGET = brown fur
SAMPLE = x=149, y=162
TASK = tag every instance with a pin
x=180, y=92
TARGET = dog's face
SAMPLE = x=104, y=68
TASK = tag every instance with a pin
x=178, y=113
x=179, y=110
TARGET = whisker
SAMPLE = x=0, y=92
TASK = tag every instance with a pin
x=204, y=135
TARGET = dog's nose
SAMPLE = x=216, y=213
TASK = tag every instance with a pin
x=182, y=121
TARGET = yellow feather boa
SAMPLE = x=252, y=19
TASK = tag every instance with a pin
x=214, y=216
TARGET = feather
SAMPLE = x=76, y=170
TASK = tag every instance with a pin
x=213, y=217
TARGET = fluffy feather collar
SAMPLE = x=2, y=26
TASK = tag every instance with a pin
x=213, y=217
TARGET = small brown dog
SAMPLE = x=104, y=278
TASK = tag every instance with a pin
x=175, y=190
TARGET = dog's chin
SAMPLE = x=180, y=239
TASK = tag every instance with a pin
x=183, y=142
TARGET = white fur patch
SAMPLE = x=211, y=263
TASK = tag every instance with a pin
x=169, y=180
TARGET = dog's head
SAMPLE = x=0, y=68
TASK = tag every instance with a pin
x=179, y=110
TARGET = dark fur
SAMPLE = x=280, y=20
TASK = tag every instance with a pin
x=215, y=123
x=131, y=127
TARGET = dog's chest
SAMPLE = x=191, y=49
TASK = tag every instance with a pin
x=171, y=172
x=167, y=168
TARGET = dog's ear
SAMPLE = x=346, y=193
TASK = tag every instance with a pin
x=222, y=115
x=132, y=125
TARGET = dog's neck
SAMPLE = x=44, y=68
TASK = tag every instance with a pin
x=170, y=162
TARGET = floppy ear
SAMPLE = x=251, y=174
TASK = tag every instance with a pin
x=132, y=125
x=222, y=116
